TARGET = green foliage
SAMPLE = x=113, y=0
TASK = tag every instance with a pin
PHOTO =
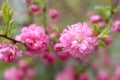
x=7, y=11
x=95, y=29
x=11, y=26
x=116, y=9
x=1, y=30
x=104, y=11
x=108, y=2
x=102, y=43
x=104, y=33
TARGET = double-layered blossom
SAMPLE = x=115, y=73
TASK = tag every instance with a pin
x=78, y=40
x=35, y=39
x=9, y=52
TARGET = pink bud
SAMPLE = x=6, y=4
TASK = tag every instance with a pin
x=53, y=13
x=116, y=26
x=58, y=46
x=95, y=18
x=34, y=8
x=23, y=64
x=107, y=41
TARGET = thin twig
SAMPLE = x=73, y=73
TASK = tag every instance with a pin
x=14, y=41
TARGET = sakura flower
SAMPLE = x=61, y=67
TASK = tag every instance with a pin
x=78, y=40
x=9, y=52
x=35, y=39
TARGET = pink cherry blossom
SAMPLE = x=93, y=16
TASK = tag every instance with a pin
x=78, y=40
x=9, y=52
x=35, y=39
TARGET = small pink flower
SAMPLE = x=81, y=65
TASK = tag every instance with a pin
x=95, y=18
x=53, y=13
x=35, y=39
x=9, y=52
x=78, y=40
x=67, y=74
x=116, y=26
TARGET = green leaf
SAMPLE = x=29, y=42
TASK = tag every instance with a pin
x=95, y=29
x=102, y=44
x=104, y=11
x=7, y=11
x=108, y=2
x=10, y=28
x=104, y=33
x=1, y=30
x=116, y=9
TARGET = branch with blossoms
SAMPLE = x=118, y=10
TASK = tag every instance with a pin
x=81, y=42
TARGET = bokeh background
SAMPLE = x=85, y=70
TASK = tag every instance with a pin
x=70, y=12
